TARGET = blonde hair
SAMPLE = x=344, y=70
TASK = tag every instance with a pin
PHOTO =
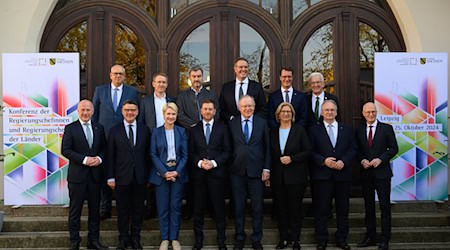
x=170, y=105
x=278, y=111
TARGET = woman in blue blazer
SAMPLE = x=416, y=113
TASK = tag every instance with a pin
x=169, y=153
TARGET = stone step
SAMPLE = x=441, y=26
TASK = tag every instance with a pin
x=356, y=206
x=59, y=223
x=151, y=238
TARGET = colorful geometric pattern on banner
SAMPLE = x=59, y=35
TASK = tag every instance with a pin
x=40, y=96
x=411, y=94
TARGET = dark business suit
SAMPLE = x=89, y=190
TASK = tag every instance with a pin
x=384, y=146
x=189, y=106
x=289, y=181
x=147, y=110
x=83, y=179
x=298, y=101
x=311, y=117
x=228, y=102
x=247, y=164
x=331, y=183
x=105, y=114
x=212, y=181
x=169, y=194
x=129, y=165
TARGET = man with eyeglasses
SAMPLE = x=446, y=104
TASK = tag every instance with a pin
x=315, y=99
x=333, y=150
x=108, y=100
x=128, y=167
x=377, y=146
x=287, y=94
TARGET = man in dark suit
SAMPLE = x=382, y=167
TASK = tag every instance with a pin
x=151, y=114
x=249, y=169
x=209, y=151
x=189, y=100
x=331, y=173
x=151, y=106
x=128, y=162
x=232, y=91
x=83, y=143
x=315, y=99
x=290, y=95
x=377, y=146
x=108, y=100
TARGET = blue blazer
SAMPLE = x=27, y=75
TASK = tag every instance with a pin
x=345, y=150
x=158, y=154
x=104, y=112
x=298, y=102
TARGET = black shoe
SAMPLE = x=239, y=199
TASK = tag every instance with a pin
x=238, y=245
x=197, y=246
x=257, y=245
x=136, y=245
x=122, y=245
x=282, y=244
x=96, y=245
x=367, y=242
x=105, y=215
x=321, y=246
x=222, y=246
x=296, y=246
x=384, y=245
x=74, y=246
x=344, y=246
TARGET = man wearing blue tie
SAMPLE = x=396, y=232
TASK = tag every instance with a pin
x=249, y=169
x=334, y=147
x=108, y=100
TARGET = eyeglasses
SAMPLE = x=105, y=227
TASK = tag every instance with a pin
x=118, y=73
x=313, y=83
x=285, y=111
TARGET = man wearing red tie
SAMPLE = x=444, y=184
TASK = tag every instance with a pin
x=377, y=146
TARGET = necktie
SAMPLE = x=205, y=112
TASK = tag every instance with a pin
x=370, y=138
x=115, y=99
x=131, y=135
x=88, y=134
x=208, y=132
x=198, y=106
x=246, y=131
x=331, y=135
x=241, y=91
x=316, y=109
x=286, y=96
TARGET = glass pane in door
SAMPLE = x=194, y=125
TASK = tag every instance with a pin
x=131, y=54
x=318, y=55
x=195, y=52
x=255, y=50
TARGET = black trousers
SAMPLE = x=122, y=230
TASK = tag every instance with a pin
x=289, y=199
x=383, y=190
x=324, y=192
x=130, y=208
x=212, y=188
x=77, y=192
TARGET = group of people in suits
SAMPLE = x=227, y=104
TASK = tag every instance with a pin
x=234, y=140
